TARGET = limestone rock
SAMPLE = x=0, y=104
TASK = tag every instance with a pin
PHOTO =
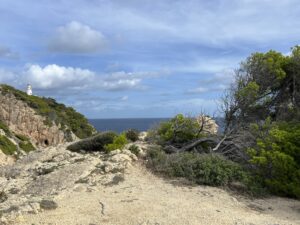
x=209, y=125
x=22, y=119
x=121, y=158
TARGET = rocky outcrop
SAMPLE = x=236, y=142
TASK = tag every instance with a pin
x=22, y=119
x=208, y=124
x=33, y=183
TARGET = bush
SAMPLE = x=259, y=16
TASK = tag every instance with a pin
x=118, y=143
x=132, y=135
x=276, y=157
x=21, y=137
x=7, y=146
x=134, y=149
x=26, y=146
x=95, y=143
x=208, y=169
x=176, y=131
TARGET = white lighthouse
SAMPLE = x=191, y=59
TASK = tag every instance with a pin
x=29, y=89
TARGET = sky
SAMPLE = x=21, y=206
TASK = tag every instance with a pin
x=138, y=58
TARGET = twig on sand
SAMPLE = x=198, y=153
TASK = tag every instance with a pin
x=102, y=207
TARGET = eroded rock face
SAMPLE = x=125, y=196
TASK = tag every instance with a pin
x=21, y=119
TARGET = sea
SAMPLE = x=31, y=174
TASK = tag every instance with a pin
x=120, y=125
x=140, y=124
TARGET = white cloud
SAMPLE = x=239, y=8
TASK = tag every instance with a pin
x=70, y=78
x=64, y=80
x=75, y=37
x=55, y=77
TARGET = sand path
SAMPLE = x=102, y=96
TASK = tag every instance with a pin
x=145, y=199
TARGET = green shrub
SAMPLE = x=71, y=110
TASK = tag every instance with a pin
x=7, y=146
x=22, y=137
x=95, y=143
x=276, y=157
x=54, y=112
x=134, y=149
x=26, y=146
x=208, y=169
x=118, y=143
x=132, y=135
x=5, y=128
x=176, y=131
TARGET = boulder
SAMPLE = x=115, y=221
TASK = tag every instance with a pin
x=209, y=125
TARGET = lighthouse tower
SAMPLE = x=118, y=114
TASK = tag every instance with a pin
x=29, y=89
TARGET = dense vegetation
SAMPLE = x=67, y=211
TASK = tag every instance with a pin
x=266, y=85
x=118, y=142
x=106, y=142
x=94, y=143
x=260, y=147
x=176, y=131
x=276, y=157
x=264, y=102
x=54, y=112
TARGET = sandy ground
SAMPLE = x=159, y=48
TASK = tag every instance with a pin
x=145, y=199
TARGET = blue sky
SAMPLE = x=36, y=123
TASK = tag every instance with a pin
x=138, y=58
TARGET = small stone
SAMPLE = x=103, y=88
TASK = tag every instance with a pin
x=48, y=204
x=121, y=158
x=115, y=152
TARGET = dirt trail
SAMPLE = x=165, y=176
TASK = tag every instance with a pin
x=145, y=199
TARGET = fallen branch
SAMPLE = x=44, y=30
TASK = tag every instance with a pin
x=191, y=146
x=219, y=144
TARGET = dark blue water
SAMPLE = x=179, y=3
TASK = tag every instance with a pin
x=119, y=125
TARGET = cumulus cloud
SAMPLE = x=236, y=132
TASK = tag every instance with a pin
x=62, y=80
x=70, y=78
x=75, y=37
x=6, y=52
x=54, y=76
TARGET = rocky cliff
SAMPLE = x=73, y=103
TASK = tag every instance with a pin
x=22, y=119
x=42, y=120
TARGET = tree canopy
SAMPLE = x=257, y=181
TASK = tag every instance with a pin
x=266, y=84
